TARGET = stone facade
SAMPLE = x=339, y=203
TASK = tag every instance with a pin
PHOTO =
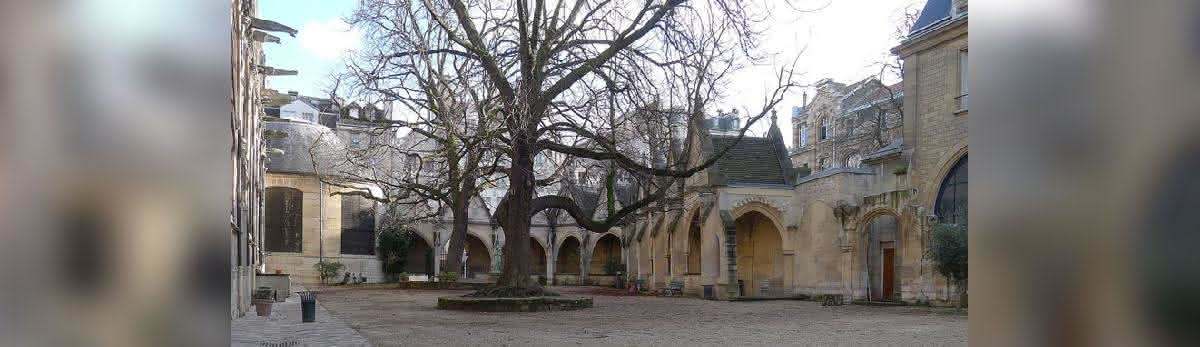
x=247, y=151
x=845, y=123
x=857, y=231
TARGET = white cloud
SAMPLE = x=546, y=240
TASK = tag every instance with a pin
x=329, y=39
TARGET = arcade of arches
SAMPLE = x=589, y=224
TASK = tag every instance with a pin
x=788, y=242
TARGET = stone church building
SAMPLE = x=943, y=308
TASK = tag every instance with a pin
x=828, y=219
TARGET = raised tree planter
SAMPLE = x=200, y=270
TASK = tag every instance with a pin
x=530, y=304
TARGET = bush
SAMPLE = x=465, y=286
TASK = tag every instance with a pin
x=327, y=269
x=542, y=280
x=393, y=250
x=263, y=293
x=448, y=276
x=948, y=251
x=612, y=266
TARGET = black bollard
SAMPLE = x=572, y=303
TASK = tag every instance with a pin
x=308, y=307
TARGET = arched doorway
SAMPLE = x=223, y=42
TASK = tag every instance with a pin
x=419, y=257
x=694, y=241
x=607, y=249
x=539, y=257
x=881, y=259
x=568, y=257
x=479, y=260
x=759, y=256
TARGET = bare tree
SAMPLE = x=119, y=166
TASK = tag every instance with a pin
x=441, y=100
x=590, y=80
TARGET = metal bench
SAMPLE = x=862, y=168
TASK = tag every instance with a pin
x=676, y=286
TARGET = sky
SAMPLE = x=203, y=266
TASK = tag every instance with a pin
x=842, y=40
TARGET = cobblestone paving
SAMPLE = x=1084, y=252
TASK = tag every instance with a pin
x=394, y=317
x=284, y=328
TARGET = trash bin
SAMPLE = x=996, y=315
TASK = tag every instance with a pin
x=708, y=291
x=308, y=307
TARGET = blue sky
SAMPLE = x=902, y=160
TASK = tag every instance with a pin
x=314, y=51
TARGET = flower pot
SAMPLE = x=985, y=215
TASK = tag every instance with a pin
x=263, y=307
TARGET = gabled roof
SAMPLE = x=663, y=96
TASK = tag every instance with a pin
x=753, y=161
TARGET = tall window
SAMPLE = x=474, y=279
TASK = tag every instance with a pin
x=803, y=135
x=854, y=160
x=952, y=197
x=962, y=80
x=283, y=219
x=358, y=225
x=822, y=130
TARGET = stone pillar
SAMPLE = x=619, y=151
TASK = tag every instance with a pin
x=730, y=253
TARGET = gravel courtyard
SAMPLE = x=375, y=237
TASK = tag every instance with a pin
x=393, y=317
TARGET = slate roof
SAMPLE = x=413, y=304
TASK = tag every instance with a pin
x=295, y=146
x=752, y=161
x=586, y=197
x=935, y=11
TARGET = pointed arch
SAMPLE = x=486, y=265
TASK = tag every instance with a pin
x=569, y=256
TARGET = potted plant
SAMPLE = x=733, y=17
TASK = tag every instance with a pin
x=402, y=277
x=263, y=299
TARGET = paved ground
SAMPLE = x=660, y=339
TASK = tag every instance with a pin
x=391, y=317
x=284, y=328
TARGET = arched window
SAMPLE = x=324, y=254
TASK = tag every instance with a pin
x=283, y=219
x=952, y=197
x=854, y=160
x=358, y=225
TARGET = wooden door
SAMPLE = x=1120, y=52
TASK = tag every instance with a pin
x=889, y=273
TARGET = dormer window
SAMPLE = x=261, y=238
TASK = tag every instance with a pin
x=354, y=113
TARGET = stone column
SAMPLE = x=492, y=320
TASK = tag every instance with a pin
x=730, y=227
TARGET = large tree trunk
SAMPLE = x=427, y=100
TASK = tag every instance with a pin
x=460, y=211
x=516, y=262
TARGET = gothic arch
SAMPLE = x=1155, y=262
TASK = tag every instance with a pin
x=879, y=240
x=944, y=165
x=569, y=257
x=772, y=213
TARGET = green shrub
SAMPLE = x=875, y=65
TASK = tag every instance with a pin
x=542, y=280
x=392, y=249
x=263, y=293
x=948, y=251
x=327, y=269
x=448, y=276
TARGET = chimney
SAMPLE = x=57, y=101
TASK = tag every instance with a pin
x=804, y=106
